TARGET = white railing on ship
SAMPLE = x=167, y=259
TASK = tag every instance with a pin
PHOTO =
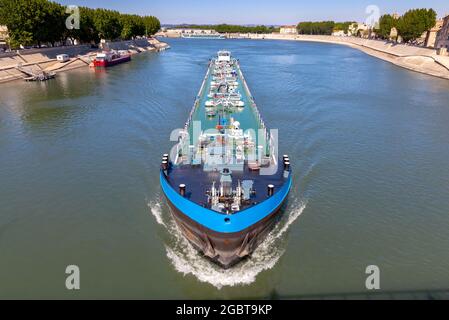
x=268, y=137
x=183, y=137
x=254, y=105
x=197, y=99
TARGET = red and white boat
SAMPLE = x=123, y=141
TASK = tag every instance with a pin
x=106, y=59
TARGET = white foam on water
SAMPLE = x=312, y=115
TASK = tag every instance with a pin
x=156, y=211
x=187, y=260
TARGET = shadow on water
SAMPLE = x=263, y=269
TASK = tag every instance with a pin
x=442, y=294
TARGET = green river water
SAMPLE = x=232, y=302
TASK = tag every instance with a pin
x=368, y=142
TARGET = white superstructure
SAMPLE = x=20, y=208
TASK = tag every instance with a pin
x=224, y=56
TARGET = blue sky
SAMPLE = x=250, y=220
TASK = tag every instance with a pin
x=259, y=11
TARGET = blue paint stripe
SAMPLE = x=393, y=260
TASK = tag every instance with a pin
x=214, y=220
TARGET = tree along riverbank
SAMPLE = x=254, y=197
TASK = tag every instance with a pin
x=44, y=59
x=418, y=59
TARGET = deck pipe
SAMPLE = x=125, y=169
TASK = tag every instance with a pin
x=286, y=160
x=164, y=165
x=166, y=158
x=182, y=189
x=270, y=189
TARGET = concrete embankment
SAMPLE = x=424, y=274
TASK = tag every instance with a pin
x=44, y=59
x=419, y=59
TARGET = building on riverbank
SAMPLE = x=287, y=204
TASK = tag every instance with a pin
x=197, y=31
x=432, y=34
x=442, y=40
x=427, y=39
x=180, y=32
x=339, y=33
x=288, y=30
x=359, y=30
x=354, y=28
x=3, y=37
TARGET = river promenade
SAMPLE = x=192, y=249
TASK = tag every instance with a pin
x=419, y=59
x=80, y=56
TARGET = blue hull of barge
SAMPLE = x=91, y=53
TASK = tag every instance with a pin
x=215, y=221
x=225, y=239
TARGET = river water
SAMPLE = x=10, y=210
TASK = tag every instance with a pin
x=369, y=143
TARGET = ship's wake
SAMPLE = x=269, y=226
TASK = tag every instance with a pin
x=156, y=211
x=187, y=260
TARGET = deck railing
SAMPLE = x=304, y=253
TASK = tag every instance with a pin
x=184, y=140
x=256, y=111
x=198, y=98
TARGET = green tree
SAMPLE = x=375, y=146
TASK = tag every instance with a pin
x=415, y=22
x=32, y=21
x=41, y=21
x=386, y=23
x=140, y=29
x=52, y=28
x=132, y=26
x=151, y=24
x=16, y=15
x=107, y=23
x=229, y=28
x=316, y=28
x=87, y=33
x=128, y=26
x=18, y=38
x=343, y=26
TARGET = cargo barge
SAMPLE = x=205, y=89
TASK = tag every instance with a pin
x=224, y=181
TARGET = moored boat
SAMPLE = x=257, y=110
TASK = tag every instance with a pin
x=107, y=59
x=224, y=181
x=198, y=35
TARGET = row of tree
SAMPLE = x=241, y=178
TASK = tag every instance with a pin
x=344, y=26
x=410, y=26
x=35, y=22
x=230, y=28
x=323, y=27
x=316, y=28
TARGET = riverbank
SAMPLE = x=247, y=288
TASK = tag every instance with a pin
x=44, y=59
x=418, y=59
